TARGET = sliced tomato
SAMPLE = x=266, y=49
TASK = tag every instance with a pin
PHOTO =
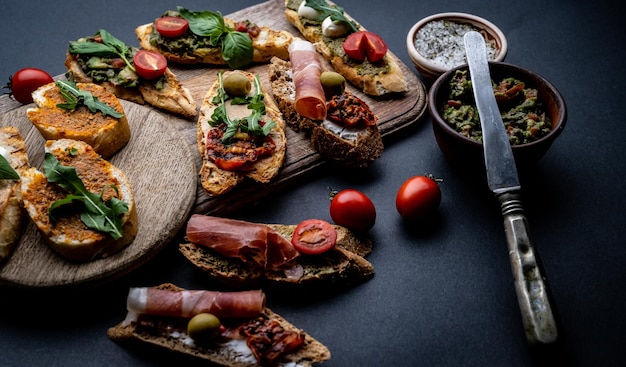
x=314, y=236
x=149, y=64
x=171, y=27
x=362, y=44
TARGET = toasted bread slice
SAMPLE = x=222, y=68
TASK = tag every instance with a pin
x=218, y=181
x=266, y=44
x=233, y=353
x=13, y=149
x=68, y=235
x=342, y=266
x=383, y=77
x=351, y=147
x=105, y=134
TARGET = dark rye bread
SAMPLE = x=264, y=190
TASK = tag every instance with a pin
x=310, y=353
x=342, y=266
x=355, y=147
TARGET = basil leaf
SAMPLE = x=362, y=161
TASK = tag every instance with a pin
x=237, y=49
x=204, y=23
x=6, y=171
x=333, y=11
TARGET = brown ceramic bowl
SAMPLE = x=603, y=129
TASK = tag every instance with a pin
x=468, y=153
x=429, y=66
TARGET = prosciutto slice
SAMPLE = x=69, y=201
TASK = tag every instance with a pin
x=188, y=303
x=251, y=242
x=306, y=69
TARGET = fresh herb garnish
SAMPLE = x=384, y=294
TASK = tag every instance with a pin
x=95, y=214
x=236, y=46
x=335, y=13
x=249, y=124
x=109, y=46
x=74, y=96
x=6, y=171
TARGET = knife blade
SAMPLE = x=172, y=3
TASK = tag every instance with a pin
x=503, y=180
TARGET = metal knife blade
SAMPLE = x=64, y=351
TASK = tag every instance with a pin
x=530, y=284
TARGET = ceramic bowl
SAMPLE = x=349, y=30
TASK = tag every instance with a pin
x=466, y=152
x=435, y=43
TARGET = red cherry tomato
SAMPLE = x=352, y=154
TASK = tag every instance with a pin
x=314, y=236
x=361, y=44
x=23, y=83
x=418, y=197
x=171, y=27
x=353, y=209
x=149, y=64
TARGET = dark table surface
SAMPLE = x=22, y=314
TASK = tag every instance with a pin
x=440, y=297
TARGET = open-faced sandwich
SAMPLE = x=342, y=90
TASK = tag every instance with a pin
x=240, y=134
x=82, y=205
x=140, y=76
x=362, y=57
x=230, y=329
x=243, y=254
x=80, y=111
x=205, y=37
x=13, y=162
x=342, y=127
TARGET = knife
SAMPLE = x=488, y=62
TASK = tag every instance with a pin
x=531, y=285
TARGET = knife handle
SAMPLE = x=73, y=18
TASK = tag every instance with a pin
x=530, y=283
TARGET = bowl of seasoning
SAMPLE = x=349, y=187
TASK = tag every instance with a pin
x=435, y=43
x=533, y=111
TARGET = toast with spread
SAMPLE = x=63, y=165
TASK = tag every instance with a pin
x=240, y=133
x=13, y=162
x=107, y=61
x=242, y=254
x=183, y=37
x=376, y=78
x=82, y=205
x=230, y=329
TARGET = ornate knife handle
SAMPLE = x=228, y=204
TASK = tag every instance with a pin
x=530, y=284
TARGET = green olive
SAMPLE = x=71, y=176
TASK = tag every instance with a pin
x=203, y=327
x=236, y=84
x=333, y=83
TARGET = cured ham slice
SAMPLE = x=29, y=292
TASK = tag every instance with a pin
x=306, y=69
x=188, y=303
x=251, y=242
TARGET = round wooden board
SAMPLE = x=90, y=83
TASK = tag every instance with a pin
x=160, y=166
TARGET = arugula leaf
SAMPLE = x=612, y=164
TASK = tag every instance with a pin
x=6, y=171
x=95, y=213
x=109, y=47
x=74, y=96
x=335, y=12
x=236, y=46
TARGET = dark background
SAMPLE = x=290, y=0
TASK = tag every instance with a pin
x=442, y=295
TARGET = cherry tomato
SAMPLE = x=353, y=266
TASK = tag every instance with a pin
x=171, y=27
x=418, y=197
x=23, y=83
x=353, y=209
x=361, y=44
x=314, y=236
x=149, y=64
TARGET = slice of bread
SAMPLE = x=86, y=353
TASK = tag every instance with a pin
x=266, y=44
x=217, y=181
x=227, y=354
x=13, y=148
x=68, y=235
x=383, y=77
x=342, y=266
x=351, y=147
x=105, y=134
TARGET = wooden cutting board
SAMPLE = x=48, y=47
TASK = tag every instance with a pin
x=162, y=162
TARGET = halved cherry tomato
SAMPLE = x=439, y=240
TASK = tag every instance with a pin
x=314, y=236
x=24, y=82
x=171, y=27
x=353, y=209
x=418, y=197
x=361, y=44
x=149, y=64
